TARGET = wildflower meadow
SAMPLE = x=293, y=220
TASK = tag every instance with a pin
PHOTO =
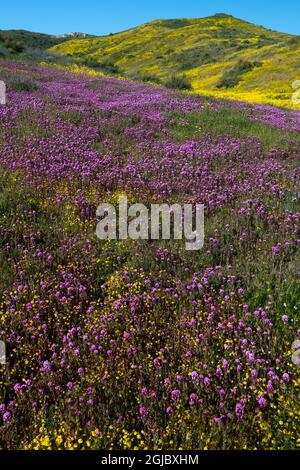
x=142, y=344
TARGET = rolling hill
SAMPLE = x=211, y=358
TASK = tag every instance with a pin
x=220, y=55
x=18, y=41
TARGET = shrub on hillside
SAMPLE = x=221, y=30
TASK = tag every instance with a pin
x=233, y=76
x=175, y=24
x=146, y=77
x=91, y=62
x=14, y=46
x=196, y=56
x=180, y=82
x=222, y=15
x=295, y=41
x=23, y=84
x=3, y=51
x=106, y=66
x=109, y=67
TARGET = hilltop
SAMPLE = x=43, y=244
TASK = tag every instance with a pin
x=220, y=55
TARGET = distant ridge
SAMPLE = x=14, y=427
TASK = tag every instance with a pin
x=16, y=41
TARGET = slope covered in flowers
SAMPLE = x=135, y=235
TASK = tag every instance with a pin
x=205, y=50
x=143, y=345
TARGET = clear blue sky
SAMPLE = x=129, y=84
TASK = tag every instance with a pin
x=103, y=17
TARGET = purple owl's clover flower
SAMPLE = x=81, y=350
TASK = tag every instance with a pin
x=270, y=388
x=262, y=402
x=69, y=385
x=18, y=388
x=46, y=367
x=239, y=410
x=195, y=376
x=126, y=336
x=143, y=411
x=176, y=395
x=207, y=381
x=6, y=417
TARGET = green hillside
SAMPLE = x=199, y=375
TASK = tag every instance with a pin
x=220, y=55
x=18, y=42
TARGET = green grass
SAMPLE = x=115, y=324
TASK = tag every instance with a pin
x=229, y=122
x=23, y=84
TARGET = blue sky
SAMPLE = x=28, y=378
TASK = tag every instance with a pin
x=110, y=16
